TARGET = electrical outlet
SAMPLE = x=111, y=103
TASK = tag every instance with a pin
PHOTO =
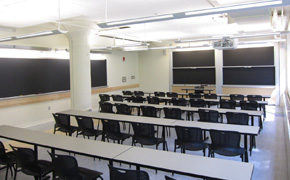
x=48, y=108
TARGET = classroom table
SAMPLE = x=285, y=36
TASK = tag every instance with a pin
x=201, y=167
x=167, y=161
x=198, y=89
x=221, y=111
x=242, y=129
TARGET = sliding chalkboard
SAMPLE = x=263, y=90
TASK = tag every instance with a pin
x=193, y=58
x=99, y=73
x=249, y=56
x=194, y=76
x=194, y=67
x=249, y=76
x=20, y=76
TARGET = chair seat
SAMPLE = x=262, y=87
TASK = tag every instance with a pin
x=121, y=136
x=71, y=129
x=192, y=146
x=90, y=133
x=89, y=174
x=149, y=141
x=46, y=167
x=228, y=151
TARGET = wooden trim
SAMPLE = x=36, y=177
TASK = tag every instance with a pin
x=24, y=100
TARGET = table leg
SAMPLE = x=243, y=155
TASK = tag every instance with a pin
x=36, y=151
x=163, y=136
x=246, y=148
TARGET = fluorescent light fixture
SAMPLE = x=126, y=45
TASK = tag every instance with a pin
x=196, y=40
x=234, y=7
x=130, y=21
x=5, y=46
x=129, y=45
x=32, y=35
x=135, y=49
x=262, y=41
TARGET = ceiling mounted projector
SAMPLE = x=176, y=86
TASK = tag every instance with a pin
x=225, y=43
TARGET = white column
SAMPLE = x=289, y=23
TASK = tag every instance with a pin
x=219, y=70
x=80, y=67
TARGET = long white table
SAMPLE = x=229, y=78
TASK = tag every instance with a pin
x=244, y=130
x=191, y=165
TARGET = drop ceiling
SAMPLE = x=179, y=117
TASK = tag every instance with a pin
x=21, y=14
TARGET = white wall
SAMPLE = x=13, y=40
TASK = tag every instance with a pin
x=154, y=68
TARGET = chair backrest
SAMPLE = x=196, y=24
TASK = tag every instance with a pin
x=111, y=126
x=138, y=99
x=172, y=94
x=143, y=130
x=2, y=148
x=225, y=138
x=227, y=104
x=192, y=95
x=254, y=97
x=106, y=107
x=127, y=93
x=85, y=123
x=61, y=120
x=188, y=134
x=179, y=101
x=153, y=100
x=123, y=109
x=239, y=97
x=249, y=105
x=65, y=167
x=197, y=103
x=139, y=93
x=149, y=111
x=172, y=113
x=127, y=174
x=210, y=96
x=117, y=97
x=25, y=159
x=237, y=118
x=159, y=94
x=208, y=115
x=104, y=97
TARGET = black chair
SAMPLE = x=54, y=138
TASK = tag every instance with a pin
x=153, y=100
x=195, y=103
x=254, y=97
x=86, y=127
x=144, y=134
x=104, y=97
x=192, y=96
x=148, y=111
x=189, y=138
x=206, y=115
x=137, y=99
x=117, y=97
x=66, y=168
x=62, y=124
x=237, y=97
x=227, y=104
x=237, y=118
x=172, y=113
x=139, y=93
x=172, y=94
x=179, y=101
x=226, y=143
x=169, y=178
x=111, y=130
x=7, y=159
x=127, y=93
x=29, y=165
x=123, y=109
x=199, y=91
x=159, y=94
x=241, y=119
x=106, y=107
x=127, y=174
x=249, y=105
x=211, y=96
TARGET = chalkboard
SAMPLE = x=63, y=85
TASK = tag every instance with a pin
x=20, y=76
x=99, y=73
x=194, y=76
x=249, y=56
x=193, y=58
x=249, y=76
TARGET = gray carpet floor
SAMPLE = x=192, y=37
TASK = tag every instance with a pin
x=269, y=158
